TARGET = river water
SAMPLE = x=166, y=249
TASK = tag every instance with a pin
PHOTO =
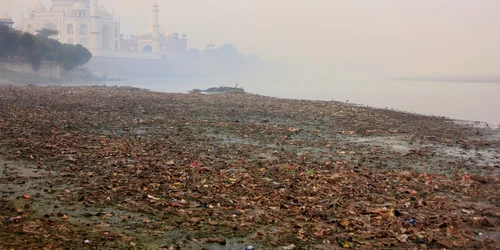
x=456, y=100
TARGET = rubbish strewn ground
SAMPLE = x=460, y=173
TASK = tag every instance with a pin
x=123, y=168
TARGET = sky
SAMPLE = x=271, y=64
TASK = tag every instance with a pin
x=384, y=38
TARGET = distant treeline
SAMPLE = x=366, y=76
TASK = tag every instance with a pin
x=15, y=44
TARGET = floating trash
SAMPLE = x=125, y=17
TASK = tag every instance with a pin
x=13, y=219
x=413, y=221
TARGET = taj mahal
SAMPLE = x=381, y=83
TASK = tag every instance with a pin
x=94, y=27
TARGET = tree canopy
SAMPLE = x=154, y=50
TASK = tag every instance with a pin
x=38, y=48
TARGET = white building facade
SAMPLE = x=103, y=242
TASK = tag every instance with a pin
x=77, y=22
x=86, y=23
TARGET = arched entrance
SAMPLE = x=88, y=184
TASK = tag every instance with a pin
x=51, y=26
x=147, y=48
x=70, y=29
x=105, y=37
x=83, y=29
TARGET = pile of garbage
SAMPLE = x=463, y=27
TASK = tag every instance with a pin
x=239, y=170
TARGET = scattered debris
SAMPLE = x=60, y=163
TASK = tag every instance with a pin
x=220, y=241
x=321, y=173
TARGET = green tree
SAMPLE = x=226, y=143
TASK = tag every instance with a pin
x=28, y=49
x=35, y=60
x=46, y=33
x=9, y=41
x=27, y=45
x=41, y=47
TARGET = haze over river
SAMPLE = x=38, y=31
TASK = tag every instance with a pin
x=456, y=100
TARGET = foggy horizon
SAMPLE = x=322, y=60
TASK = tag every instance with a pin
x=379, y=38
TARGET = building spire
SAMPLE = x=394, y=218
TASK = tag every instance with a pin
x=156, y=28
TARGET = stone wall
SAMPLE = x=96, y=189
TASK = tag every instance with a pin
x=47, y=68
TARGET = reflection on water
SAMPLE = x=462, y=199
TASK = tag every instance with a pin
x=467, y=101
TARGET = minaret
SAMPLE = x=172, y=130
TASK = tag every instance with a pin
x=156, y=29
x=95, y=30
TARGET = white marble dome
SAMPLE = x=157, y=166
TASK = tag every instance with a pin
x=39, y=7
x=103, y=10
x=79, y=6
x=5, y=18
x=170, y=33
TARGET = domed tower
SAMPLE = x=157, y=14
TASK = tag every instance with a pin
x=6, y=20
x=66, y=5
x=95, y=30
x=39, y=7
x=79, y=9
x=156, y=29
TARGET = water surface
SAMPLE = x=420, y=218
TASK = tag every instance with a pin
x=457, y=100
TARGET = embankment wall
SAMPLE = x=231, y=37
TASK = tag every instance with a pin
x=47, y=68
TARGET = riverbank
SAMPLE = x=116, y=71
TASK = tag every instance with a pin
x=80, y=75
x=8, y=77
x=120, y=167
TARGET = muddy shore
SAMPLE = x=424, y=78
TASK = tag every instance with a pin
x=124, y=168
